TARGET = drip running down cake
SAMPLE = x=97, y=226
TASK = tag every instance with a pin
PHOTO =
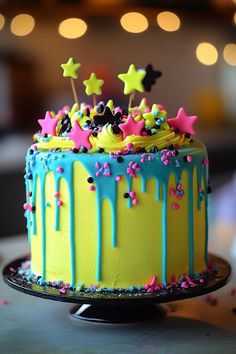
x=116, y=199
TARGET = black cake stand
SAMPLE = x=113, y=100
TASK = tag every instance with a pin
x=116, y=307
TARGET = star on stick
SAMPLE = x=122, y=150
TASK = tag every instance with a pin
x=183, y=122
x=48, y=124
x=80, y=137
x=131, y=127
x=132, y=80
x=93, y=86
x=70, y=70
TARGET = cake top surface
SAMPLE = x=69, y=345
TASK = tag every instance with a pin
x=104, y=127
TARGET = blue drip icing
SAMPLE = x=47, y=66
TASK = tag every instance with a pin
x=43, y=217
x=164, y=233
x=206, y=217
x=34, y=182
x=57, y=208
x=190, y=216
x=106, y=187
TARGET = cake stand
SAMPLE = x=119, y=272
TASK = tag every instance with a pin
x=118, y=307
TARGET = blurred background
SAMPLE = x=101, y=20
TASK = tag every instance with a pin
x=193, y=44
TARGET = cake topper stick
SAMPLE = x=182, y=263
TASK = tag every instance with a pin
x=69, y=70
x=133, y=81
x=93, y=87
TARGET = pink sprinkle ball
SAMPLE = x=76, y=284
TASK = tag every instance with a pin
x=200, y=189
x=57, y=194
x=60, y=169
x=60, y=203
x=135, y=201
x=4, y=301
x=92, y=188
x=175, y=206
x=26, y=206
x=189, y=158
x=98, y=173
x=118, y=178
x=132, y=194
x=106, y=165
x=97, y=165
x=172, y=192
x=129, y=145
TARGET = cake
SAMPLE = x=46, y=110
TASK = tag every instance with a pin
x=116, y=198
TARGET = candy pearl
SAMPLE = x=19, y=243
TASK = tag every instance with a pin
x=92, y=188
x=118, y=178
x=60, y=169
x=106, y=165
x=97, y=165
x=132, y=194
x=56, y=195
x=60, y=203
x=175, y=206
x=129, y=145
x=189, y=158
x=135, y=201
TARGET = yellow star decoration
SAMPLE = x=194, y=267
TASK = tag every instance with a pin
x=132, y=80
x=143, y=105
x=70, y=68
x=93, y=85
x=150, y=117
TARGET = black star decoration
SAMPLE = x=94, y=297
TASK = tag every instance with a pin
x=150, y=78
x=107, y=117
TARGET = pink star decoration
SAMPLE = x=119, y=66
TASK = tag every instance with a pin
x=131, y=127
x=80, y=136
x=183, y=122
x=48, y=124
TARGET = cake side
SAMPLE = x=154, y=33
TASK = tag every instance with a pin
x=117, y=223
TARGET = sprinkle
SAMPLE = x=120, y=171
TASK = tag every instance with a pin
x=135, y=201
x=150, y=158
x=132, y=194
x=106, y=165
x=118, y=178
x=90, y=179
x=97, y=165
x=26, y=206
x=126, y=195
x=120, y=159
x=205, y=162
x=172, y=192
x=60, y=169
x=92, y=188
x=129, y=145
x=175, y=206
x=4, y=301
x=57, y=194
x=98, y=173
x=60, y=203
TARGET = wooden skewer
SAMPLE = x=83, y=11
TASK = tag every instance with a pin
x=131, y=97
x=74, y=91
x=94, y=100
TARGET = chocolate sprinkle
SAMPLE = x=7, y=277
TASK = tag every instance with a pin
x=90, y=179
x=120, y=159
x=75, y=151
x=126, y=195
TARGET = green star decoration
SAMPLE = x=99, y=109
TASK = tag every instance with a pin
x=132, y=79
x=93, y=85
x=70, y=68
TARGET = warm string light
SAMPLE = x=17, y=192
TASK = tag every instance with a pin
x=22, y=25
x=72, y=28
x=229, y=54
x=168, y=21
x=206, y=53
x=2, y=21
x=134, y=22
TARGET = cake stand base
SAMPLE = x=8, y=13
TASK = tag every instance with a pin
x=114, y=307
x=117, y=314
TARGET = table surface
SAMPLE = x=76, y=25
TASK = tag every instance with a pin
x=33, y=325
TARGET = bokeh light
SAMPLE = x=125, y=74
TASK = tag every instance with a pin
x=2, y=21
x=206, y=53
x=22, y=25
x=230, y=54
x=168, y=21
x=134, y=22
x=72, y=28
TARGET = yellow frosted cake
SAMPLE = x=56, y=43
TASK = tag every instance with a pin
x=116, y=199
